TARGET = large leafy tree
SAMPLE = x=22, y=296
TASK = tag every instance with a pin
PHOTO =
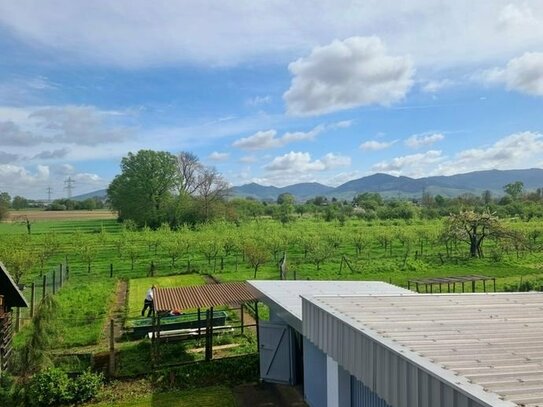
x=143, y=190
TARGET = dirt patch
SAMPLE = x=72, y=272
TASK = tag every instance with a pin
x=15, y=216
x=268, y=395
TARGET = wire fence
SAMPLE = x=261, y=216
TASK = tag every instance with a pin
x=49, y=283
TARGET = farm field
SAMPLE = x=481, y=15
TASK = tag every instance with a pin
x=100, y=253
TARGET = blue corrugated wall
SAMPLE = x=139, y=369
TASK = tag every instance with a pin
x=314, y=375
x=362, y=396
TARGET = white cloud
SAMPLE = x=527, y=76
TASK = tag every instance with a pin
x=434, y=86
x=135, y=33
x=51, y=155
x=519, y=150
x=216, y=156
x=515, y=15
x=295, y=162
x=248, y=159
x=523, y=74
x=374, y=145
x=342, y=178
x=415, y=165
x=421, y=140
x=259, y=100
x=346, y=74
x=263, y=140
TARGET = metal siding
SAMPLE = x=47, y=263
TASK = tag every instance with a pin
x=378, y=370
x=344, y=379
x=362, y=396
x=315, y=391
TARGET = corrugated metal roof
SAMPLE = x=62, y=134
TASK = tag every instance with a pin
x=488, y=347
x=284, y=296
x=13, y=297
x=202, y=296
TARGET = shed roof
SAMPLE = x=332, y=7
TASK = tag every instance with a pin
x=201, y=296
x=13, y=297
x=486, y=346
x=284, y=296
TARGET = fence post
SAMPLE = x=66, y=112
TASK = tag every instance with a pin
x=32, y=299
x=110, y=269
x=111, y=348
x=54, y=281
x=242, y=322
x=44, y=288
x=257, y=327
x=61, y=277
x=209, y=334
x=17, y=319
x=67, y=272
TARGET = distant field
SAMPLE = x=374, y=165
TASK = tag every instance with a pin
x=39, y=215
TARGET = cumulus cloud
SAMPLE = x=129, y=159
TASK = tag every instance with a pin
x=412, y=164
x=345, y=74
x=7, y=158
x=248, y=159
x=18, y=180
x=300, y=162
x=11, y=134
x=136, y=33
x=519, y=150
x=435, y=86
x=375, y=145
x=422, y=140
x=51, y=155
x=216, y=156
x=523, y=74
x=263, y=140
x=84, y=125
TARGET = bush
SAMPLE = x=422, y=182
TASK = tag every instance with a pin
x=85, y=386
x=6, y=386
x=49, y=388
x=53, y=387
x=228, y=372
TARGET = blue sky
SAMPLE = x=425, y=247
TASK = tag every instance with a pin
x=275, y=92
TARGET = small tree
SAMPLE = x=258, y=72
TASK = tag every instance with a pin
x=473, y=228
x=256, y=256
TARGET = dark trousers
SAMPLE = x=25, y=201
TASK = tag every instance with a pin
x=147, y=304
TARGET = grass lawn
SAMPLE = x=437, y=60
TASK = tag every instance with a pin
x=204, y=397
x=138, y=287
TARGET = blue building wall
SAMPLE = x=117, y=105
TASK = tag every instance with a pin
x=314, y=375
x=362, y=396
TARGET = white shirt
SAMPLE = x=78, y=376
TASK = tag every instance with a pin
x=149, y=296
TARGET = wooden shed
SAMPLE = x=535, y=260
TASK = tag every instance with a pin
x=10, y=296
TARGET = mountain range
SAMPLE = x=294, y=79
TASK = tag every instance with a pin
x=390, y=186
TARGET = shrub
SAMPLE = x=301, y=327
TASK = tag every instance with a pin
x=6, y=386
x=53, y=387
x=50, y=387
x=85, y=386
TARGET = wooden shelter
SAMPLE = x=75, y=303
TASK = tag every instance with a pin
x=10, y=297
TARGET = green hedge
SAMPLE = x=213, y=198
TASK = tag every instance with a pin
x=219, y=372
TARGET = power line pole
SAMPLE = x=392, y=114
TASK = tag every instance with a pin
x=69, y=186
x=49, y=190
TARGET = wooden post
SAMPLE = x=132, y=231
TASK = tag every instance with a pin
x=44, y=288
x=484, y=286
x=473, y=286
x=209, y=334
x=409, y=284
x=61, y=278
x=242, y=322
x=111, y=348
x=110, y=269
x=494, y=279
x=199, y=323
x=17, y=319
x=32, y=299
x=54, y=281
x=257, y=328
x=67, y=272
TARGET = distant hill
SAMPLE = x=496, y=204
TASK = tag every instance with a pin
x=474, y=182
x=301, y=191
x=100, y=194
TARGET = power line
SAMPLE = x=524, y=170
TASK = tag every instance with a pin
x=49, y=190
x=69, y=182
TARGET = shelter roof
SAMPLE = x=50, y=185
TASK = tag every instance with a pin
x=201, y=296
x=13, y=297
